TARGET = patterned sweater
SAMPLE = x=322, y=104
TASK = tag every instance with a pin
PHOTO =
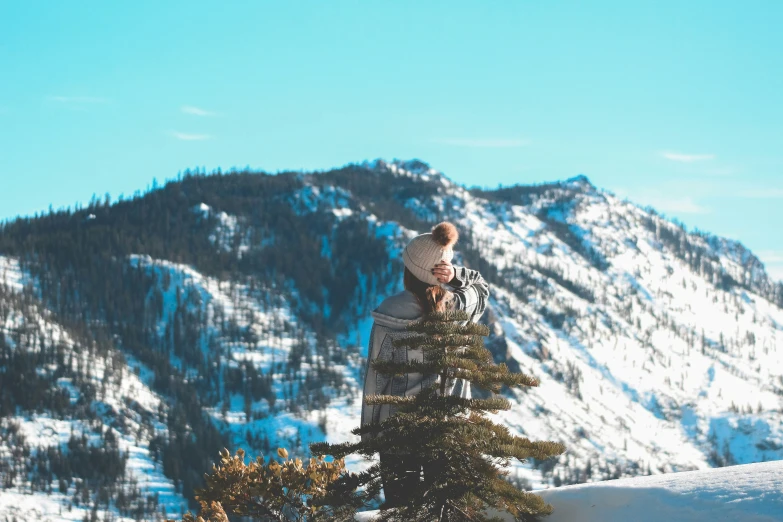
x=390, y=319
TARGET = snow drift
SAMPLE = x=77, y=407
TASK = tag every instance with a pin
x=747, y=493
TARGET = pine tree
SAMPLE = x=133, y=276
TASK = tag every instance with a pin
x=450, y=435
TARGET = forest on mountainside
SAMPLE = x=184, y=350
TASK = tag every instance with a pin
x=79, y=261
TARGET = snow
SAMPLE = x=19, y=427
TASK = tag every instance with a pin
x=11, y=274
x=749, y=493
x=312, y=198
x=410, y=168
x=41, y=431
x=230, y=232
x=15, y=505
x=342, y=212
x=203, y=209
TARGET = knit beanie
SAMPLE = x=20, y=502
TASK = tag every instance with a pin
x=426, y=250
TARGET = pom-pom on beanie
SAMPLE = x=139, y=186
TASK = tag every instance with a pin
x=426, y=250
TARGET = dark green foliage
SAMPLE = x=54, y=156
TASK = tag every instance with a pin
x=451, y=434
x=384, y=193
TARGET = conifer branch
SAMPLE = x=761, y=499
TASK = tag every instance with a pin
x=396, y=400
x=391, y=368
x=444, y=341
x=446, y=328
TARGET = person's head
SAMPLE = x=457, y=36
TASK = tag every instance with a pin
x=420, y=257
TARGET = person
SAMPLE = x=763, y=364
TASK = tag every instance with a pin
x=431, y=284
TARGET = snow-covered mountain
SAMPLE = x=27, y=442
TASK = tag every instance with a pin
x=234, y=310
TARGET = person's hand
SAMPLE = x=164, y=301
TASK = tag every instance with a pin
x=444, y=271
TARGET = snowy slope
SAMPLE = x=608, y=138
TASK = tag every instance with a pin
x=270, y=333
x=646, y=365
x=107, y=388
x=747, y=493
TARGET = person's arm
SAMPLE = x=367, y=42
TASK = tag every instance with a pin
x=470, y=290
x=370, y=380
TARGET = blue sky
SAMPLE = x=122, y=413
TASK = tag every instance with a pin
x=669, y=103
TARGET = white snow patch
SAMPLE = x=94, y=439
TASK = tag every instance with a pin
x=11, y=274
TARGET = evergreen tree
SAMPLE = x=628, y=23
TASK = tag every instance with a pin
x=462, y=451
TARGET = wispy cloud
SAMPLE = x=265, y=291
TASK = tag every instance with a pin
x=677, y=205
x=184, y=136
x=78, y=100
x=197, y=111
x=770, y=256
x=484, y=142
x=762, y=193
x=776, y=272
x=686, y=158
x=773, y=262
x=723, y=171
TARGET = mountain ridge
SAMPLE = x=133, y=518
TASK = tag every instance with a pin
x=242, y=300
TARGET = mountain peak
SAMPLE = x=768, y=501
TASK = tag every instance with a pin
x=581, y=181
x=415, y=166
x=411, y=167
